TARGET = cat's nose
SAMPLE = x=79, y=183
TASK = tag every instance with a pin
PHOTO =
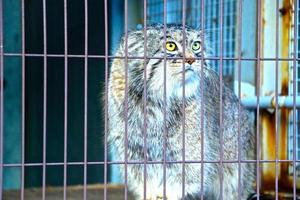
x=190, y=60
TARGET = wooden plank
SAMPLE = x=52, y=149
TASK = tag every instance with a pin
x=94, y=192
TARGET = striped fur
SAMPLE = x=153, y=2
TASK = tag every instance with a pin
x=165, y=118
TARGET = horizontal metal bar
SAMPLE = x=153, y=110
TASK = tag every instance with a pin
x=142, y=162
x=269, y=102
x=142, y=57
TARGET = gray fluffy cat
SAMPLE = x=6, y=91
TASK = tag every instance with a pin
x=195, y=82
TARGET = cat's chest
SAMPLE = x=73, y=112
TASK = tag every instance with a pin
x=158, y=125
x=161, y=129
x=158, y=121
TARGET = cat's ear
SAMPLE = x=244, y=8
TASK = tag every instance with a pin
x=118, y=49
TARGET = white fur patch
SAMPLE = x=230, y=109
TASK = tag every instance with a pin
x=190, y=85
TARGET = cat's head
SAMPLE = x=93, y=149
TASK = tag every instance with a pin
x=170, y=61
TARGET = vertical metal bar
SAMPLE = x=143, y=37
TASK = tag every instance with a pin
x=276, y=100
x=44, y=99
x=165, y=105
x=294, y=100
x=257, y=100
x=85, y=94
x=145, y=100
x=65, y=97
x=183, y=95
x=126, y=99
x=23, y=101
x=240, y=25
x=1, y=97
x=202, y=100
x=106, y=98
x=221, y=99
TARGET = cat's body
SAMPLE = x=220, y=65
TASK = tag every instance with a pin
x=158, y=124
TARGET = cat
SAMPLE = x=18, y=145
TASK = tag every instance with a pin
x=165, y=116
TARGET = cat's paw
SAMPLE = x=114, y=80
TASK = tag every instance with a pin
x=158, y=198
x=161, y=198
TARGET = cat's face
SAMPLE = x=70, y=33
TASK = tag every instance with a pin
x=182, y=66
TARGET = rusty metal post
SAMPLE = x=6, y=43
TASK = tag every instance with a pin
x=275, y=44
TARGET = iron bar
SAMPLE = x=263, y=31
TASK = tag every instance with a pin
x=44, y=100
x=145, y=100
x=142, y=162
x=126, y=100
x=148, y=57
x=106, y=99
x=202, y=100
x=240, y=14
x=294, y=99
x=183, y=95
x=258, y=100
x=65, y=98
x=221, y=173
x=85, y=97
x=23, y=100
x=276, y=100
x=165, y=105
x=1, y=97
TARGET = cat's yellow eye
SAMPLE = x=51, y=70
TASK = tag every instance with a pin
x=171, y=46
x=196, y=46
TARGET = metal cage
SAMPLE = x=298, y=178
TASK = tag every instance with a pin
x=54, y=65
